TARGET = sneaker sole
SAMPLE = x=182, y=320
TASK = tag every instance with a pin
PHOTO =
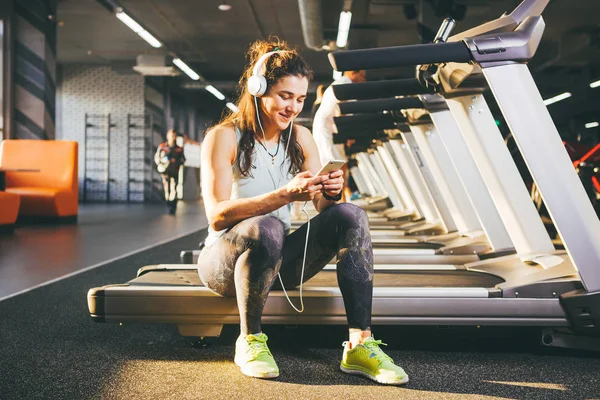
x=268, y=375
x=374, y=378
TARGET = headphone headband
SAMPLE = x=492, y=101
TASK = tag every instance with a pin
x=261, y=61
x=257, y=86
x=257, y=83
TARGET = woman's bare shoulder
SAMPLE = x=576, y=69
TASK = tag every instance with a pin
x=226, y=128
x=221, y=140
x=303, y=133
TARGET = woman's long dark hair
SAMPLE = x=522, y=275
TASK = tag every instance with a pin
x=285, y=63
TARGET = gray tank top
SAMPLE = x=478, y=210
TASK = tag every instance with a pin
x=267, y=174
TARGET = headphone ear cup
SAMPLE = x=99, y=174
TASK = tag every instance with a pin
x=257, y=85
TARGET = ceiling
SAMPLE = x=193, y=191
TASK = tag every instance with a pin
x=213, y=42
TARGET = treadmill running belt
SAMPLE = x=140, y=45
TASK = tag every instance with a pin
x=417, y=246
x=413, y=278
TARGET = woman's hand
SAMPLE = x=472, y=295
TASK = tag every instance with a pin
x=334, y=183
x=304, y=186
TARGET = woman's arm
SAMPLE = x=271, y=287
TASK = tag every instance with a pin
x=158, y=155
x=312, y=163
x=219, y=151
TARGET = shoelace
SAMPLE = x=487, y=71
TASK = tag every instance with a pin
x=373, y=346
x=257, y=345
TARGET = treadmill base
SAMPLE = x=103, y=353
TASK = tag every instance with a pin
x=566, y=339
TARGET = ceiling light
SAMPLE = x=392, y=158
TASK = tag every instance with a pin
x=150, y=39
x=224, y=6
x=134, y=26
x=215, y=92
x=595, y=84
x=232, y=107
x=343, y=29
x=188, y=71
x=557, y=98
x=591, y=125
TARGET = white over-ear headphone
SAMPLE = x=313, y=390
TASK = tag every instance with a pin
x=257, y=86
x=257, y=83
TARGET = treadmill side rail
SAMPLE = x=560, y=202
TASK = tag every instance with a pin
x=198, y=305
x=191, y=257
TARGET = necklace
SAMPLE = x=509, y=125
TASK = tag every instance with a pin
x=269, y=153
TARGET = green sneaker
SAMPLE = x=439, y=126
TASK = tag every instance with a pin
x=369, y=360
x=254, y=358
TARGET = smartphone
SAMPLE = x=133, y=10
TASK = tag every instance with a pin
x=331, y=166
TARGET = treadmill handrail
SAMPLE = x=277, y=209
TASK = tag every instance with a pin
x=388, y=57
x=377, y=105
x=358, y=134
x=362, y=118
x=364, y=121
x=505, y=23
x=379, y=89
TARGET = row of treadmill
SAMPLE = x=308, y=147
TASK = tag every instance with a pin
x=457, y=239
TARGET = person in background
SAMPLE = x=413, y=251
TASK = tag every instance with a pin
x=324, y=125
x=320, y=91
x=296, y=214
x=187, y=140
x=169, y=158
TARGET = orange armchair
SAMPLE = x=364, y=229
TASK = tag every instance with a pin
x=9, y=209
x=51, y=192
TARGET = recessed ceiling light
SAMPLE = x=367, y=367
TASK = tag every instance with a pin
x=557, y=98
x=224, y=6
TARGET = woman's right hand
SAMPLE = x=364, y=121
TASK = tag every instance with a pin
x=304, y=186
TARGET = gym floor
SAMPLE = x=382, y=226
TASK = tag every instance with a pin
x=50, y=348
x=36, y=254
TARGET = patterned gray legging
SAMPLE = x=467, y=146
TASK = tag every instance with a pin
x=245, y=260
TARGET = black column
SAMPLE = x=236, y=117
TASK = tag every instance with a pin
x=33, y=50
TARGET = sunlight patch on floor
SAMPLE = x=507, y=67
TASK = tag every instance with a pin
x=538, y=385
x=141, y=379
x=153, y=379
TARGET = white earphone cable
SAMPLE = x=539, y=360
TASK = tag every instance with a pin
x=303, y=210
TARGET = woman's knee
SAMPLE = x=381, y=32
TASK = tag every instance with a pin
x=264, y=235
x=351, y=214
x=254, y=246
x=353, y=226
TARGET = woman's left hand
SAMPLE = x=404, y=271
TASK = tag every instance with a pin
x=334, y=185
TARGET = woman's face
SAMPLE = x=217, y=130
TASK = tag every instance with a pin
x=284, y=101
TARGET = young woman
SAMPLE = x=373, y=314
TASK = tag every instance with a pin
x=254, y=164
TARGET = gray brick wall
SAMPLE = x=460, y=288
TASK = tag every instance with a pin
x=99, y=90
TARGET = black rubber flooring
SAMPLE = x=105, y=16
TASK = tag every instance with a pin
x=50, y=349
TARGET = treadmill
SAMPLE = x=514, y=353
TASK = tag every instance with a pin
x=556, y=290
x=443, y=195
x=464, y=239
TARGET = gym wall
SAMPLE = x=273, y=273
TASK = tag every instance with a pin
x=101, y=91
